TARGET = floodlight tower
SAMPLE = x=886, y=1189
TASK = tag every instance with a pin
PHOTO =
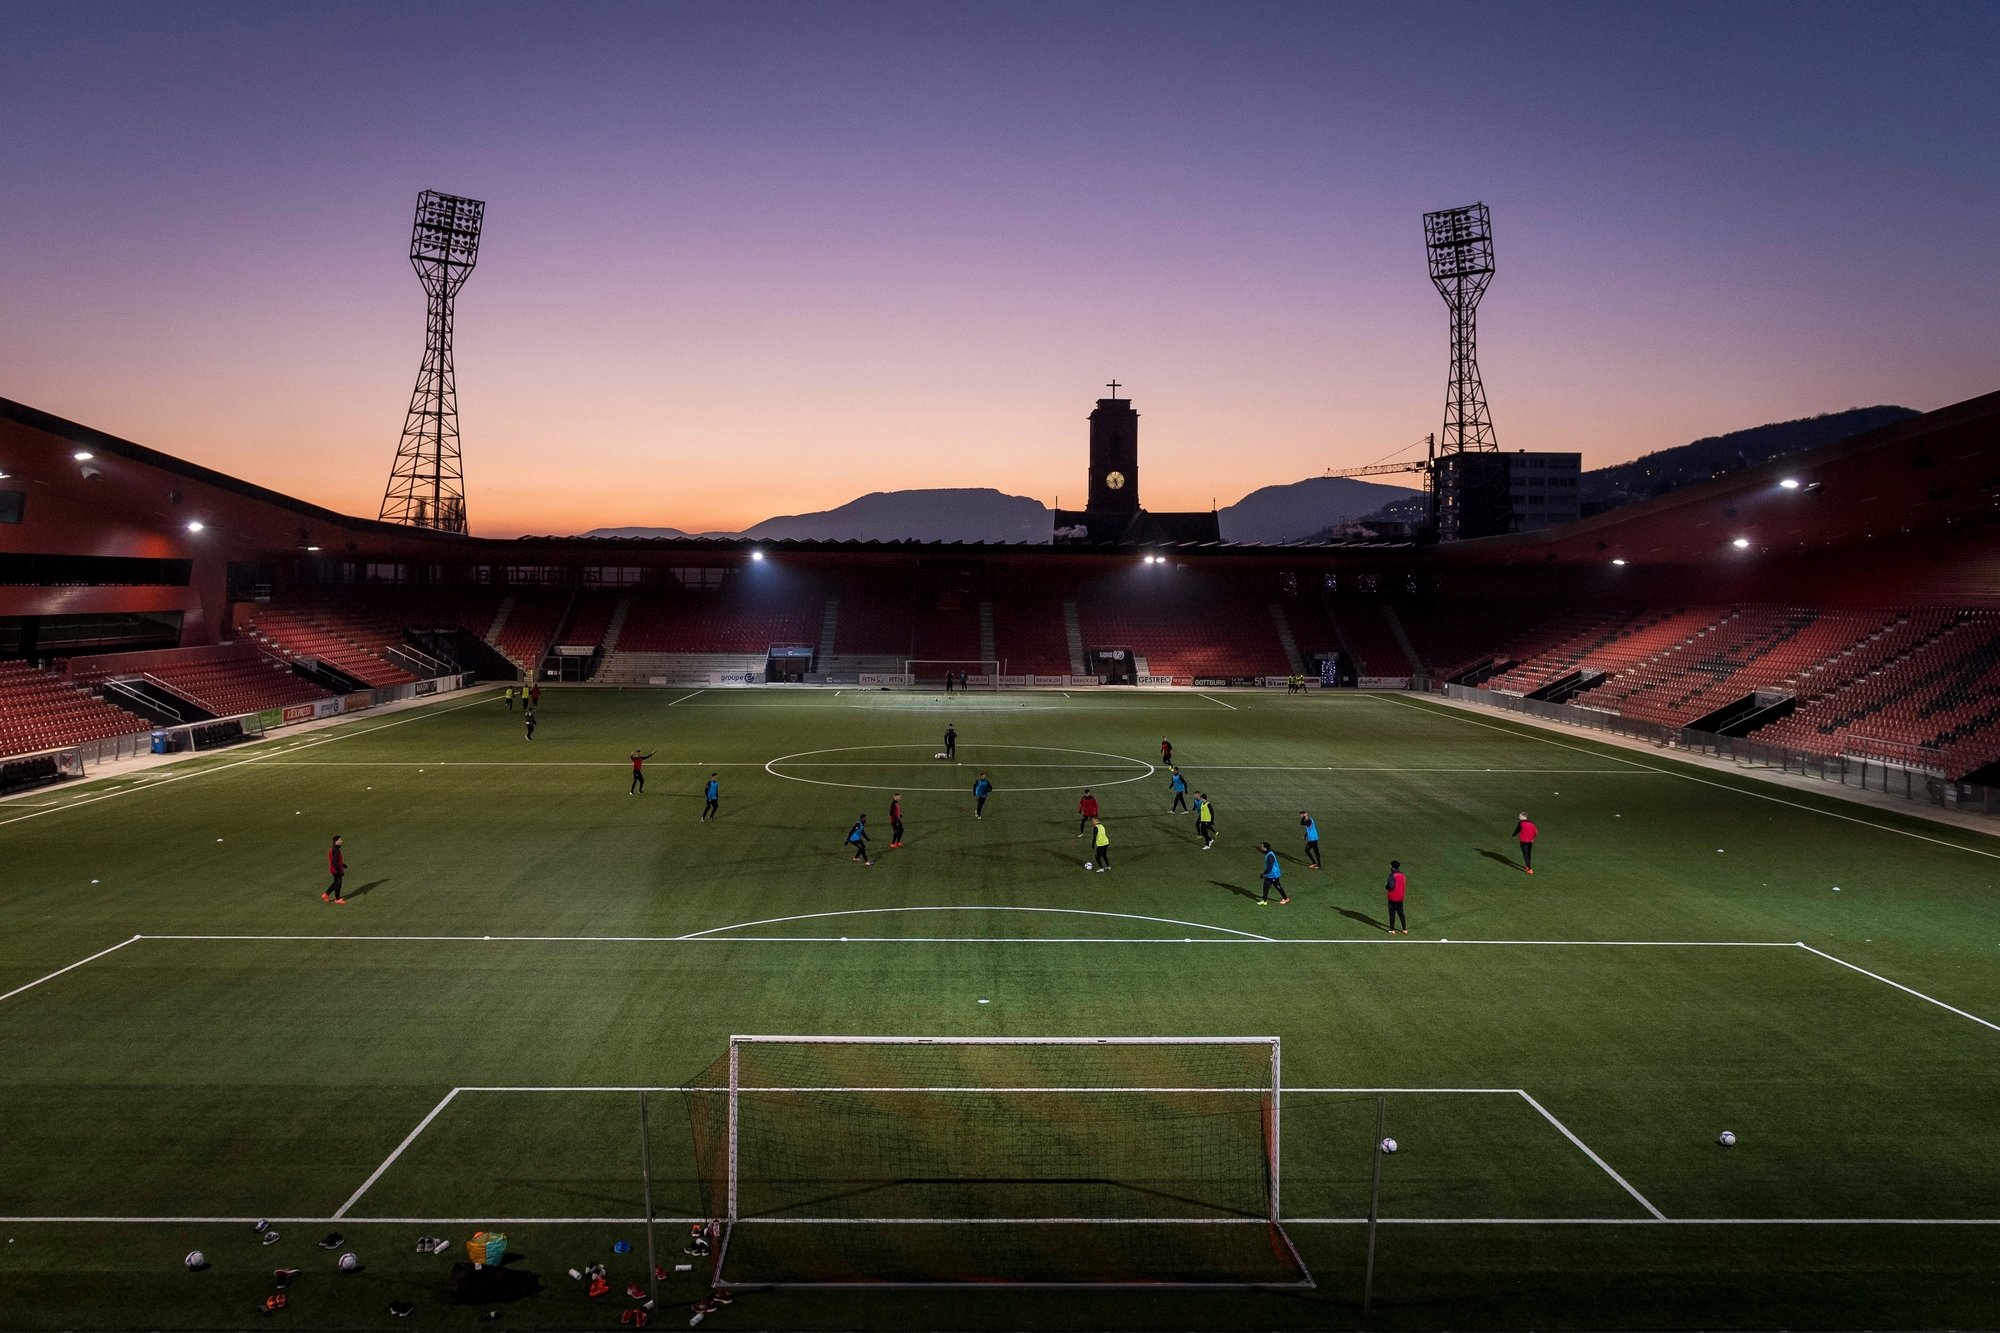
x=1460, y=242
x=426, y=485
x=1469, y=488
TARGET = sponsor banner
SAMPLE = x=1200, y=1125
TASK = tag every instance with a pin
x=1014, y=681
x=656, y=680
x=424, y=687
x=359, y=700
x=1048, y=680
x=887, y=678
x=732, y=678
x=574, y=650
x=978, y=678
x=1153, y=682
x=329, y=707
x=1382, y=682
x=271, y=717
x=1183, y=680
x=297, y=713
x=1080, y=682
x=1211, y=680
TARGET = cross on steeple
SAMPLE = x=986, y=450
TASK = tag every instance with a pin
x=1113, y=386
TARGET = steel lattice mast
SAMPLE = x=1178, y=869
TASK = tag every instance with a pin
x=1460, y=242
x=427, y=484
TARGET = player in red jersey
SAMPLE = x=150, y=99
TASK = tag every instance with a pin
x=1086, y=810
x=1525, y=833
x=1395, y=888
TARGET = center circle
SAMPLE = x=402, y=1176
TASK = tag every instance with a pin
x=810, y=759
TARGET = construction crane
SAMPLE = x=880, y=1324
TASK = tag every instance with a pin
x=1423, y=465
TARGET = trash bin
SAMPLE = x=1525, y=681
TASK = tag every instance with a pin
x=160, y=745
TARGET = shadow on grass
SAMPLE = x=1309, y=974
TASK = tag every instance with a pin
x=369, y=887
x=1236, y=889
x=1363, y=918
x=1502, y=858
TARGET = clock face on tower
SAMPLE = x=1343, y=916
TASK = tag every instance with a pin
x=1115, y=480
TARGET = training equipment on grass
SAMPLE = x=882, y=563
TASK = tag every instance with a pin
x=1388, y=1145
x=1726, y=1139
x=1043, y=1161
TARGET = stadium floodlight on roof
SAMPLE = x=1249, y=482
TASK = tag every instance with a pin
x=427, y=483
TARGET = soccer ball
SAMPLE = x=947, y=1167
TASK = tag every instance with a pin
x=1088, y=866
x=349, y=1262
x=1388, y=1145
x=1726, y=1139
x=195, y=1261
x=938, y=755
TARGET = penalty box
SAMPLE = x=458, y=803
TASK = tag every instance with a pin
x=571, y=1154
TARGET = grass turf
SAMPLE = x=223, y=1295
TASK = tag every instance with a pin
x=257, y=1054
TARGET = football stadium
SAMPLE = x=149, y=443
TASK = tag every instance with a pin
x=1521, y=907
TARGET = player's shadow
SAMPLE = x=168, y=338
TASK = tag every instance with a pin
x=1363, y=918
x=1236, y=889
x=1502, y=858
x=369, y=887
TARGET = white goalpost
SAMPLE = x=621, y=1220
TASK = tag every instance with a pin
x=980, y=673
x=1032, y=1161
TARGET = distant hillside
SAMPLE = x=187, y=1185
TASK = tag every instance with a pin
x=1296, y=511
x=1668, y=470
x=981, y=514
x=968, y=514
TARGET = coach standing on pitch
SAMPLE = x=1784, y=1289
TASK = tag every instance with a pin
x=950, y=741
x=1525, y=833
x=1395, y=889
x=336, y=865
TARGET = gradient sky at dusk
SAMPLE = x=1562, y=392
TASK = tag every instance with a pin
x=747, y=259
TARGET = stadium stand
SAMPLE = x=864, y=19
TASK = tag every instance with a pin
x=352, y=640
x=528, y=622
x=39, y=710
x=1185, y=624
x=1030, y=634
x=224, y=680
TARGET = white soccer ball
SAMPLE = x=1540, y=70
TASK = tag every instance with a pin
x=938, y=755
x=195, y=1260
x=349, y=1262
x=1726, y=1139
x=1088, y=866
x=1388, y=1145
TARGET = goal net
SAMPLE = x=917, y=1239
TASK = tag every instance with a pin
x=980, y=673
x=1049, y=1161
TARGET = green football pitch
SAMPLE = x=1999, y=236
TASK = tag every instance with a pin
x=190, y=1039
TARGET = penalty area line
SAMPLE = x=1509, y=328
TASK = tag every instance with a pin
x=71, y=968
x=1876, y=976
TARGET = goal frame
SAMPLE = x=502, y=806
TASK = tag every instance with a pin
x=1272, y=1165
x=990, y=667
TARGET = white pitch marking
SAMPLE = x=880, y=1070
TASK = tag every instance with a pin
x=685, y=697
x=1706, y=782
x=1212, y=699
x=484, y=1220
x=1928, y=999
x=1056, y=911
x=390, y=1160
x=338, y=735
x=710, y=936
x=71, y=968
x=1603, y=1165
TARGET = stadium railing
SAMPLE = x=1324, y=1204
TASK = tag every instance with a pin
x=1856, y=771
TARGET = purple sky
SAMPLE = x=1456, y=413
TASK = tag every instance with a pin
x=745, y=259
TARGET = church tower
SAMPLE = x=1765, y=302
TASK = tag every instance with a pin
x=1114, y=457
